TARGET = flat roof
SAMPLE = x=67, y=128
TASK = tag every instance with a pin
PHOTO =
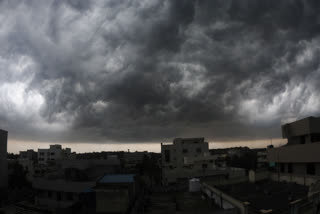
x=267, y=194
x=121, y=178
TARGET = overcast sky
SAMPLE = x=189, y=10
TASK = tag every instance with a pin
x=150, y=70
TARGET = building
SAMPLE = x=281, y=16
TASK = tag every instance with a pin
x=132, y=159
x=116, y=193
x=66, y=184
x=264, y=196
x=262, y=160
x=92, y=168
x=186, y=158
x=3, y=164
x=55, y=152
x=30, y=154
x=28, y=159
x=58, y=194
x=299, y=160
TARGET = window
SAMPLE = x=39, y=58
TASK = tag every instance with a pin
x=290, y=168
x=311, y=169
x=315, y=138
x=302, y=140
x=70, y=196
x=204, y=166
x=41, y=153
x=185, y=151
x=199, y=150
x=167, y=155
x=52, y=153
x=49, y=194
x=59, y=196
x=282, y=167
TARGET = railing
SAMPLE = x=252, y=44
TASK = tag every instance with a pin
x=220, y=198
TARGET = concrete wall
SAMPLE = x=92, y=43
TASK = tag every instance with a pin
x=299, y=179
x=301, y=128
x=112, y=201
x=297, y=128
x=3, y=161
x=220, y=198
x=43, y=199
x=301, y=153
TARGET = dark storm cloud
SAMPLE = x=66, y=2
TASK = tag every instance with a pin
x=120, y=70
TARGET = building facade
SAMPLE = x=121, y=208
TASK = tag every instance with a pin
x=116, y=193
x=3, y=163
x=186, y=158
x=299, y=160
x=55, y=152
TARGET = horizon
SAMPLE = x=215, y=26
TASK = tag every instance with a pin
x=133, y=147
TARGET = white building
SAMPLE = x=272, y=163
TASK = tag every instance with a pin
x=187, y=158
x=3, y=162
x=55, y=152
x=299, y=160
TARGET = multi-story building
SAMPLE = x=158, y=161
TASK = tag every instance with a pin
x=55, y=152
x=28, y=159
x=70, y=181
x=299, y=160
x=3, y=163
x=132, y=159
x=187, y=158
x=30, y=154
x=262, y=161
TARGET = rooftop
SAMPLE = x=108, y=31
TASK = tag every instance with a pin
x=267, y=194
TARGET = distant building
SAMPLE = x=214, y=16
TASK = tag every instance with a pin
x=92, y=168
x=68, y=182
x=55, y=152
x=262, y=161
x=187, y=158
x=132, y=159
x=30, y=154
x=299, y=160
x=3, y=163
x=59, y=194
x=28, y=159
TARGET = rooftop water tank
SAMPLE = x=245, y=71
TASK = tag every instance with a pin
x=194, y=185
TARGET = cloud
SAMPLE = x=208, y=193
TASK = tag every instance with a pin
x=148, y=70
